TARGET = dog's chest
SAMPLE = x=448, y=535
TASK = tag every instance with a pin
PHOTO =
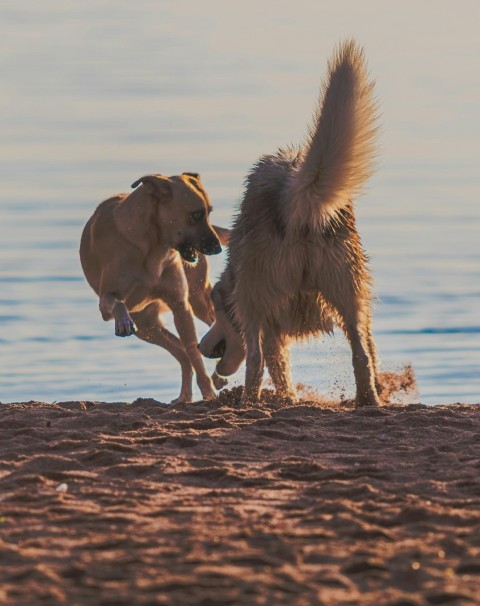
x=157, y=261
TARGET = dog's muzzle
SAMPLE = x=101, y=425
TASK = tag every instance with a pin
x=210, y=246
x=188, y=252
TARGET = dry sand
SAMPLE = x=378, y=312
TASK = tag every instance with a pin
x=215, y=503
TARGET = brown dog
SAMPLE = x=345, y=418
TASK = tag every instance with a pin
x=143, y=254
x=296, y=266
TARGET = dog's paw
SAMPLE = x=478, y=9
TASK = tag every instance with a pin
x=251, y=397
x=367, y=400
x=206, y=387
x=208, y=394
x=182, y=399
x=125, y=328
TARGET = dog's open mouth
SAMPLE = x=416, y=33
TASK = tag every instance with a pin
x=188, y=252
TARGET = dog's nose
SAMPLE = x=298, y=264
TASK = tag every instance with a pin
x=210, y=246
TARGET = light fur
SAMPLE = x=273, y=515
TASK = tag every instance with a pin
x=296, y=266
x=338, y=157
x=144, y=254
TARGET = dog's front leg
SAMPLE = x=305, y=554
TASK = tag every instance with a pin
x=183, y=318
x=111, y=307
x=255, y=364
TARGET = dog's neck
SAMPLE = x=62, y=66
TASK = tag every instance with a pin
x=138, y=221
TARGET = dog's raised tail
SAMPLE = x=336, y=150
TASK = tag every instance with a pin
x=340, y=150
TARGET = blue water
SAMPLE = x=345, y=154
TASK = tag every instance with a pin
x=96, y=94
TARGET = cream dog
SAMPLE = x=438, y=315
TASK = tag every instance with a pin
x=296, y=265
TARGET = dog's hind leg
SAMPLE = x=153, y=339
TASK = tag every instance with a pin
x=277, y=359
x=357, y=331
x=151, y=330
x=347, y=292
x=373, y=354
x=255, y=364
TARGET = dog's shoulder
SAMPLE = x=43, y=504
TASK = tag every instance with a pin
x=102, y=224
x=106, y=208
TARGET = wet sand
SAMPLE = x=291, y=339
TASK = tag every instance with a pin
x=216, y=503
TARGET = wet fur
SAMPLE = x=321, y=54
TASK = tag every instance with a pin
x=296, y=266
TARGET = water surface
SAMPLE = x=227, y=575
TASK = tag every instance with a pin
x=96, y=94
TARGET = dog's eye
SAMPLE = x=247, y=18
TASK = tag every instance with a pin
x=197, y=215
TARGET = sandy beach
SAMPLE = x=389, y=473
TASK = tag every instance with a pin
x=215, y=503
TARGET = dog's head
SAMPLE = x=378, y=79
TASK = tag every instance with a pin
x=183, y=208
x=223, y=340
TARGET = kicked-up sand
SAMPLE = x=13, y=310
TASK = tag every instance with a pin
x=216, y=503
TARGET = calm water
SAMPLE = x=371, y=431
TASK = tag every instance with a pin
x=96, y=94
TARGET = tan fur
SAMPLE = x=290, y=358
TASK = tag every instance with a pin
x=133, y=252
x=296, y=266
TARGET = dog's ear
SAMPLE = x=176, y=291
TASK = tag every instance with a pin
x=223, y=234
x=156, y=185
x=194, y=175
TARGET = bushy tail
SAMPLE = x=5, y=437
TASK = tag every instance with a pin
x=339, y=154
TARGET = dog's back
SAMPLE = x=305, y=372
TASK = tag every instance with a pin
x=96, y=239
